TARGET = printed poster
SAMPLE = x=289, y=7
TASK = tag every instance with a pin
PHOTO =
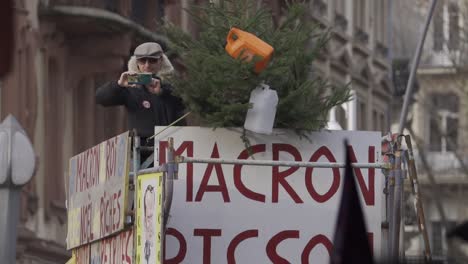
x=149, y=218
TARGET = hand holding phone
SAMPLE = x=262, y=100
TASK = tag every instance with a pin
x=155, y=86
x=140, y=78
x=123, y=80
x=133, y=79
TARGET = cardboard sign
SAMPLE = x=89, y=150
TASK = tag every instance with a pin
x=98, y=187
x=264, y=214
x=82, y=255
x=149, y=218
x=116, y=249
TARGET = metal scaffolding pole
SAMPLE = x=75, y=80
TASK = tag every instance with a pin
x=182, y=159
x=396, y=209
x=395, y=218
x=414, y=67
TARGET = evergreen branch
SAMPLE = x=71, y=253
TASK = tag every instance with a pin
x=216, y=87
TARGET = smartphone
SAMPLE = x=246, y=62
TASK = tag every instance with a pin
x=140, y=78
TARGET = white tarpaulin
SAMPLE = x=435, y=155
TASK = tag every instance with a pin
x=262, y=214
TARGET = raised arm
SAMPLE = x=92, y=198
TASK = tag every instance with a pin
x=110, y=94
x=114, y=92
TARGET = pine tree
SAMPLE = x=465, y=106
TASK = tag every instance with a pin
x=216, y=87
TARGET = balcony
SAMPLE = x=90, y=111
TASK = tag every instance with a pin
x=80, y=18
x=121, y=7
x=443, y=162
x=445, y=167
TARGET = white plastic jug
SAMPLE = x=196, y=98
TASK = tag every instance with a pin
x=261, y=117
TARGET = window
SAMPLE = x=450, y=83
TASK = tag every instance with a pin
x=340, y=7
x=438, y=28
x=84, y=114
x=319, y=8
x=379, y=120
x=375, y=120
x=360, y=14
x=360, y=19
x=112, y=5
x=173, y=12
x=446, y=27
x=437, y=238
x=362, y=113
x=108, y=121
x=380, y=17
x=435, y=143
x=443, y=122
x=55, y=162
x=340, y=15
x=383, y=122
x=454, y=27
x=140, y=11
x=438, y=232
x=400, y=75
x=102, y=130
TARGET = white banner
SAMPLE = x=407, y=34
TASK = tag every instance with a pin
x=116, y=249
x=254, y=214
x=98, y=184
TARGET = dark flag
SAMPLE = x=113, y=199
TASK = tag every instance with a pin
x=460, y=231
x=6, y=30
x=350, y=244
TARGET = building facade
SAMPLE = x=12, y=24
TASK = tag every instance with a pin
x=63, y=51
x=437, y=120
x=66, y=48
x=358, y=55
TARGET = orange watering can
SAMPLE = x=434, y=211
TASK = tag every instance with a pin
x=249, y=45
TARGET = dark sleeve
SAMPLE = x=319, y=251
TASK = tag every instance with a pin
x=180, y=110
x=166, y=88
x=110, y=94
x=177, y=103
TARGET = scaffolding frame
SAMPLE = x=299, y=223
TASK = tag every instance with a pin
x=393, y=172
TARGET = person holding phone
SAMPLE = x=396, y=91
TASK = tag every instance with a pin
x=149, y=101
